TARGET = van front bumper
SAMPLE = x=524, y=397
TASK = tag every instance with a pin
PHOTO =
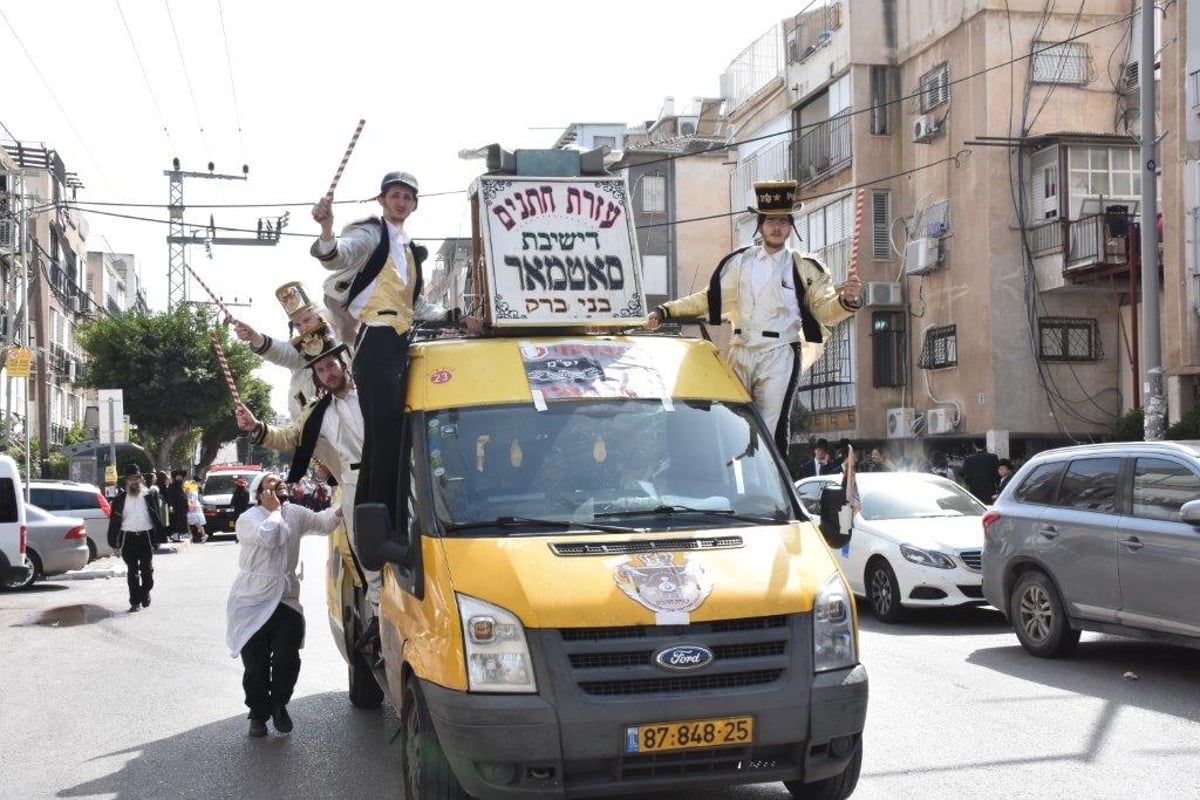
x=510, y=746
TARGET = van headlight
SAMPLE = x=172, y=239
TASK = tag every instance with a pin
x=834, y=645
x=497, y=655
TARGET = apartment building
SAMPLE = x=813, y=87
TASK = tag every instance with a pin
x=993, y=144
x=114, y=284
x=52, y=252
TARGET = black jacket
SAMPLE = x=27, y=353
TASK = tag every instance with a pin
x=981, y=473
x=118, y=512
x=808, y=469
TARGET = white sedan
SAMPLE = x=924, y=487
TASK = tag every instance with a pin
x=916, y=541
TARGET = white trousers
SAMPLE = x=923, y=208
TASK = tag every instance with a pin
x=769, y=375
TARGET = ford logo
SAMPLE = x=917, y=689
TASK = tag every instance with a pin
x=681, y=657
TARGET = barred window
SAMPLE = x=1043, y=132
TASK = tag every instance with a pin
x=940, y=348
x=935, y=87
x=830, y=382
x=889, y=346
x=1064, y=63
x=654, y=194
x=1069, y=339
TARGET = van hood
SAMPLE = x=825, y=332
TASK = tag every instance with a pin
x=740, y=572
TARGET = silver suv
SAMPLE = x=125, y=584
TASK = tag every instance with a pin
x=1101, y=538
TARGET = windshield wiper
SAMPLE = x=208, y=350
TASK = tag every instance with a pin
x=560, y=524
x=671, y=510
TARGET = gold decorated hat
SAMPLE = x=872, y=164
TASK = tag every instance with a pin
x=776, y=198
x=294, y=299
x=317, y=344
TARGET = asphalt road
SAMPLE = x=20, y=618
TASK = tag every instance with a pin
x=149, y=705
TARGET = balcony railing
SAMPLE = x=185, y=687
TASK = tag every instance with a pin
x=825, y=149
x=772, y=163
x=1046, y=237
x=754, y=68
x=1089, y=244
x=814, y=29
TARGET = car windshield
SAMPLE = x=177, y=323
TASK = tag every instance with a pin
x=585, y=466
x=902, y=496
x=222, y=483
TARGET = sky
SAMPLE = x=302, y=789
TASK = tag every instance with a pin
x=120, y=87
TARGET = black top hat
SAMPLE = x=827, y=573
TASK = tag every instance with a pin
x=317, y=344
x=132, y=471
x=776, y=198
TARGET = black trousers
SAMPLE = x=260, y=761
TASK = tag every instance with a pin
x=380, y=371
x=138, y=553
x=271, y=661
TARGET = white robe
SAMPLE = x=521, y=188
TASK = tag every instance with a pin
x=269, y=552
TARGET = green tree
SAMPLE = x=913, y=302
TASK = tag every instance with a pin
x=166, y=366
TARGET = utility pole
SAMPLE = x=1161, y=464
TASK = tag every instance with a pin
x=178, y=239
x=1154, y=412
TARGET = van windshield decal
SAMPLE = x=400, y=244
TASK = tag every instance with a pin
x=577, y=369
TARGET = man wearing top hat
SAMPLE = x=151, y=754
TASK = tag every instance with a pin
x=777, y=299
x=374, y=297
x=303, y=318
x=334, y=419
x=132, y=524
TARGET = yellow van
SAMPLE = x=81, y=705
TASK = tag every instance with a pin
x=603, y=583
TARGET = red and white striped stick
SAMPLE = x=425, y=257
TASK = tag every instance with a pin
x=852, y=271
x=211, y=293
x=225, y=366
x=337, y=176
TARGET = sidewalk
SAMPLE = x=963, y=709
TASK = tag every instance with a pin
x=113, y=566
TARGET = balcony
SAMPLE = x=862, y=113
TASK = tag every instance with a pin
x=1089, y=245
x=754, y=69
x=825, y=149
x=814, y=27
x=768, y=164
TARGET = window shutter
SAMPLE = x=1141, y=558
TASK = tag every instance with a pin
x=881, y=247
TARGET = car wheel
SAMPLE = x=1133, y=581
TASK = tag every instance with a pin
x=92, y=554
x=35, y=569
x=1039, y=617
x=838, y=787
x=883, y=591
x=426, y=771
x=365, y=691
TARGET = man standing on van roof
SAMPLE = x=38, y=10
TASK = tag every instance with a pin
x=131, y=524
x=777, y=298
x=374, y=296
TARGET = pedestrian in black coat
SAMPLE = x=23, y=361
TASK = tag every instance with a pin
x=981, y=472
x=132, y=525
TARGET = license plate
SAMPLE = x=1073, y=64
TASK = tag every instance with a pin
x=232, y=524
x=657, y=737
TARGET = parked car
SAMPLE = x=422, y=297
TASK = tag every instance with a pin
x=1098, y=537
x=75, y=499
x=54, y=545
x=12, y=522
x=216, y=495
x=916, y=541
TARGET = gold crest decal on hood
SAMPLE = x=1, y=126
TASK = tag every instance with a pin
x=664, y=582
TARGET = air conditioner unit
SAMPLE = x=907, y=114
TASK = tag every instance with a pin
x=883, y=293
x=900, y=422
x=921, y=255
x=924, y=128
x=939, y=420
x=79, y=303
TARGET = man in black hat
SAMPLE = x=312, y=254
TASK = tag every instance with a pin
x=131, y=525
x=374, y=298
x=778, y=299
x=820, y=463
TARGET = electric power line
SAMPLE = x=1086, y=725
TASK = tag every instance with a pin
x=187, y=78
x=237, y=114
x=145, y=76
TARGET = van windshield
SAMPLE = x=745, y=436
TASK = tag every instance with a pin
x=626, y=462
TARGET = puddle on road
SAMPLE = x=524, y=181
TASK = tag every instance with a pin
x=67, y=616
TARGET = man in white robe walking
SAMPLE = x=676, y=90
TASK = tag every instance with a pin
x=265, y=620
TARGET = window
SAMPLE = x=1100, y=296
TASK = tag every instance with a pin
x=889, y=345
x=605, y=141
x=1091, y=485
x=881, y=219
x=940, y=348
x=1161, y=487
x=1069, y=339
x=8, y=500
x=881, y=118
x=1065, y=63
x=830, y=382
x=1109, y=171
x=935, y=87
x=654, y=194
x=1041, y=485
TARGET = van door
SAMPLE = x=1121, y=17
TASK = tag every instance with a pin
x=1076, y=538
x=1159, y=554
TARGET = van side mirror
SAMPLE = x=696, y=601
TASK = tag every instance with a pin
x=832, y=500
x=1189, y=512
x=373, y=530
